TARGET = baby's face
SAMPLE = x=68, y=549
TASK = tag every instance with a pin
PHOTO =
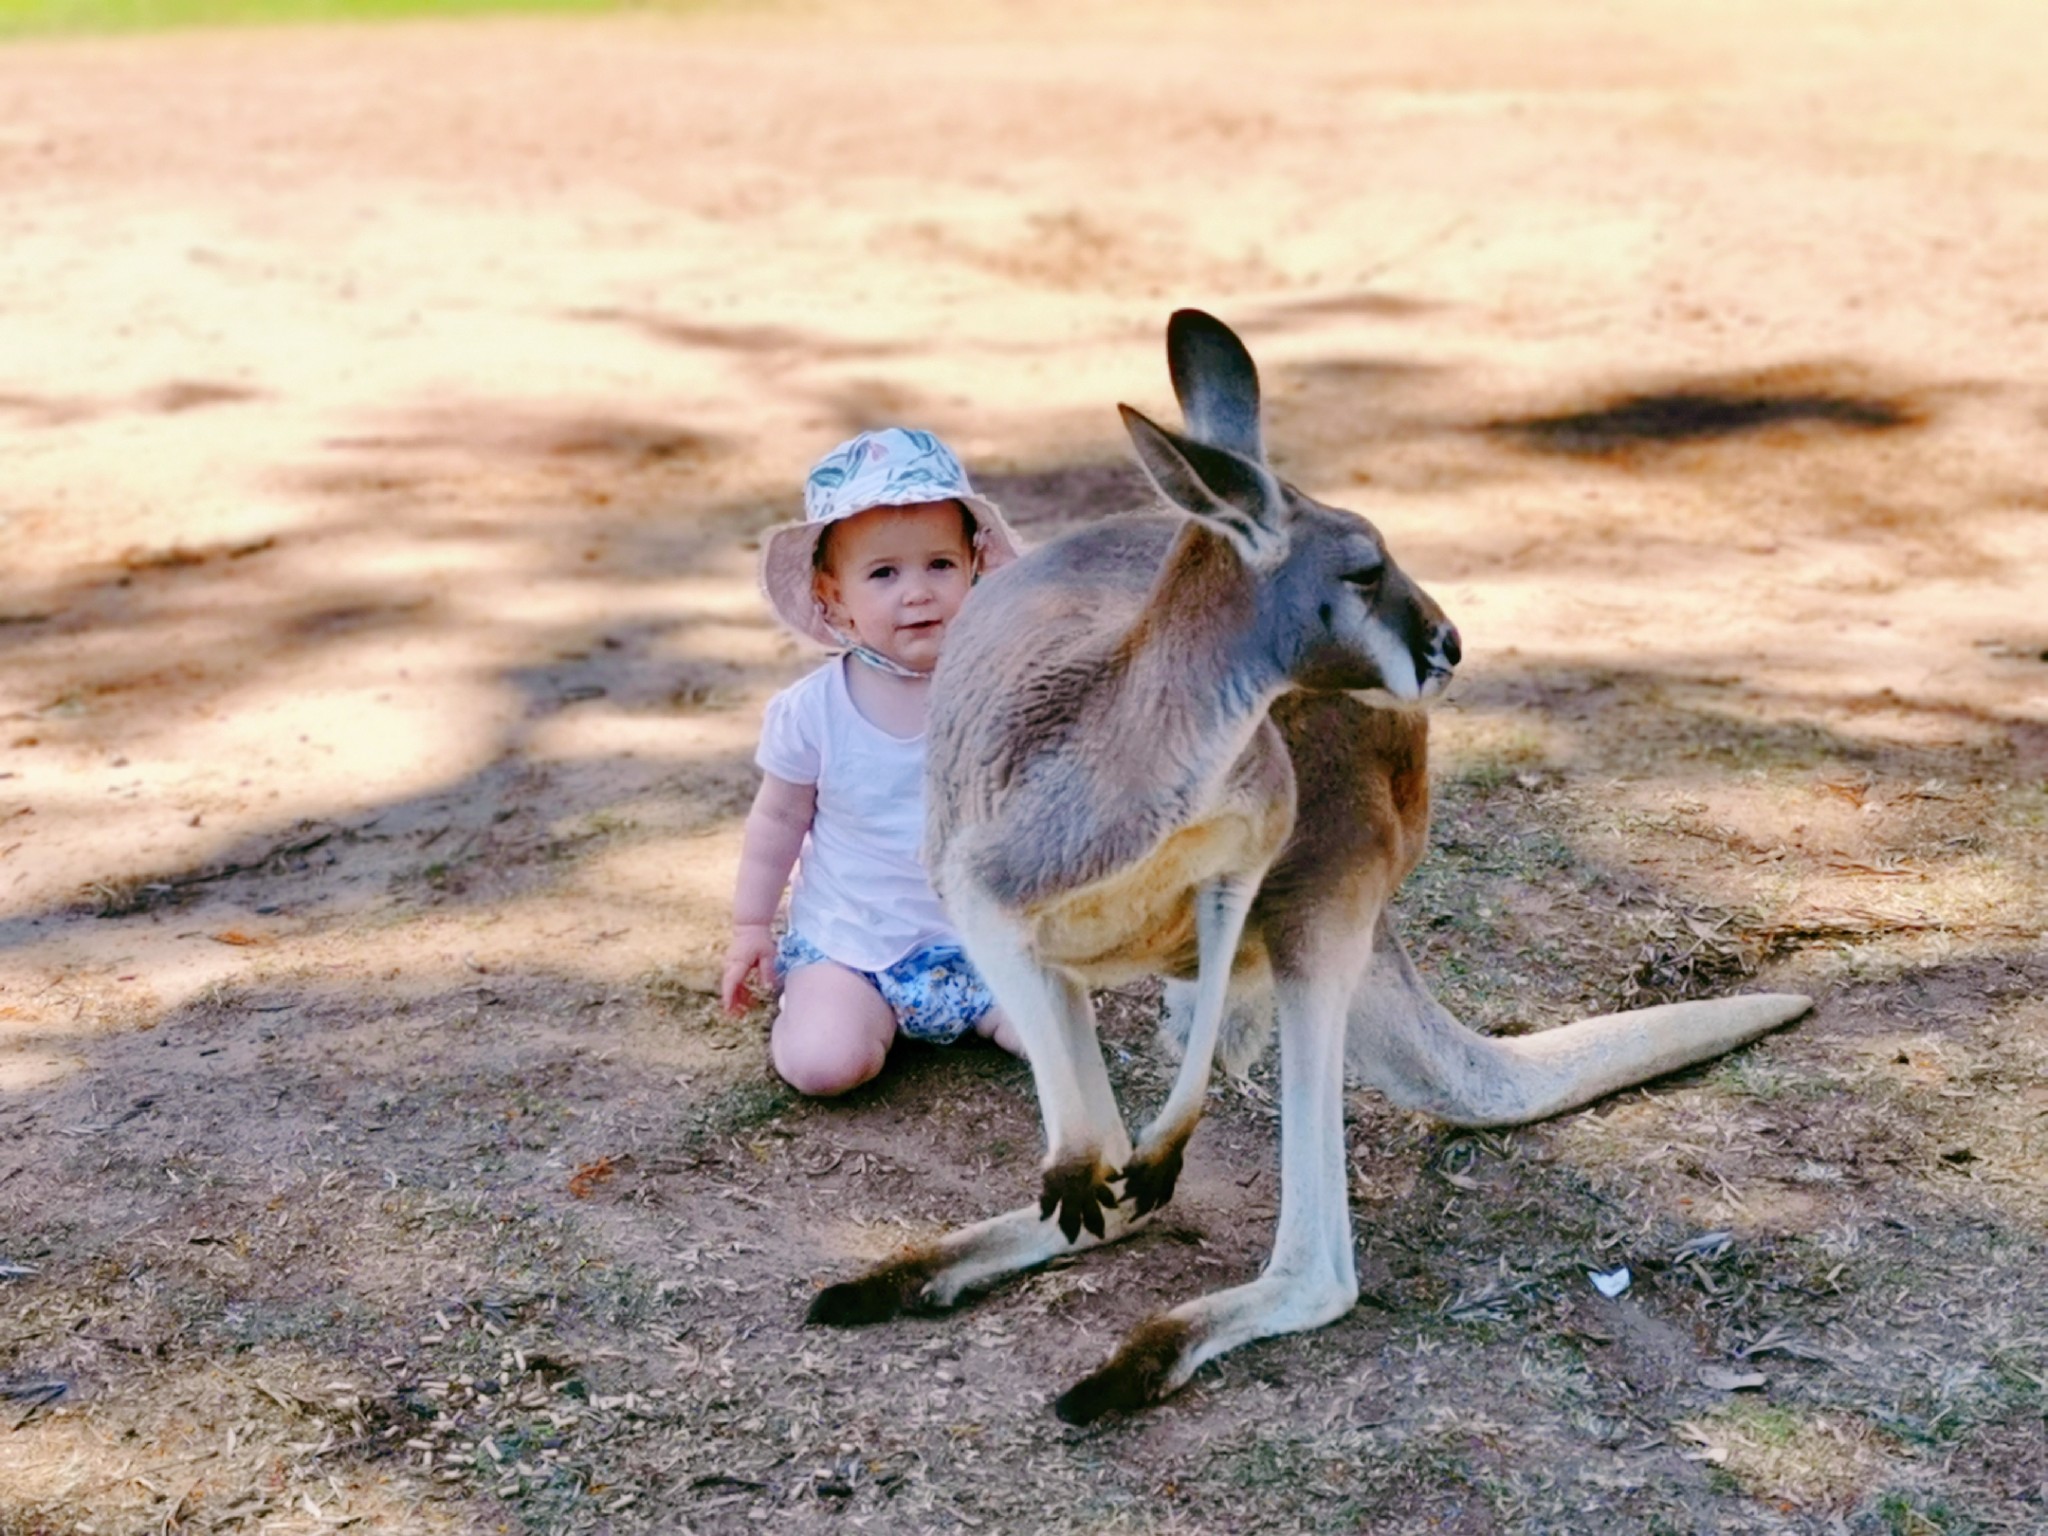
x=895, y=576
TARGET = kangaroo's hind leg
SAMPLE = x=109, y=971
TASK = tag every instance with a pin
x=1311, y=1278
x=937, y=1275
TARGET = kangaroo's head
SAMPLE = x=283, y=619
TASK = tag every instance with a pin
x=1334, y=612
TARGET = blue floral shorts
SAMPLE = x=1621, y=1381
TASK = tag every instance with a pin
x=935, y=993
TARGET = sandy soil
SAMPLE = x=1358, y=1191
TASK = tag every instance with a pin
x=388, y=416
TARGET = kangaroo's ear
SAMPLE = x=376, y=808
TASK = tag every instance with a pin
x=1216, y=383
x=1236, y=496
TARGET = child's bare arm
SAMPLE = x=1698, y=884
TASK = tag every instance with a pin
x=781, y=815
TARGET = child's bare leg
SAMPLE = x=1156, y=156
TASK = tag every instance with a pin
x=833, y=1031
x=995, y=1025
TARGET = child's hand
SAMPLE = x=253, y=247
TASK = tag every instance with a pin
x=752, y=949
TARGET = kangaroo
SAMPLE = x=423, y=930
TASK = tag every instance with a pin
x=1192, y=744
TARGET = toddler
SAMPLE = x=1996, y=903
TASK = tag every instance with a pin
x=892, y=538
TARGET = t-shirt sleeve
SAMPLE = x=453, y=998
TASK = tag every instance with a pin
x=790, y=738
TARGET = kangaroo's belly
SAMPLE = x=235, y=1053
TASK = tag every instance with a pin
x=1140, y=921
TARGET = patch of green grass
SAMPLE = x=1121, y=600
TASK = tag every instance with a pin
x=2018, y=1374
x=2025, y=805
x=19, y=18
x=1906, y=1514
x=609, y=823
x=743, y=1107
x=626, y=1297
x=1487, y=753
x=1750, y=1075
x=1941, y=1414
x=681, y=990
x=1776, y=1452
x=1767, y=1423
x=330, y=1321
x=1340, y=1482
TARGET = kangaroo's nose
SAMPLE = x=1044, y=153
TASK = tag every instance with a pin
x=1447, y=645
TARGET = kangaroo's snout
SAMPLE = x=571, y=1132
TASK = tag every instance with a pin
x=1447, y=652
x=1437, y=657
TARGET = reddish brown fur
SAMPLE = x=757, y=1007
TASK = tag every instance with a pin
x=1362, y=823
x=1135, y=1375
x=881, y=1293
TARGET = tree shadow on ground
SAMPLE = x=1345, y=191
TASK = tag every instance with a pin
x=1708, y=411
x=587, y=508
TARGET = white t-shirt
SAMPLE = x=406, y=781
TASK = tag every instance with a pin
x=861, y=893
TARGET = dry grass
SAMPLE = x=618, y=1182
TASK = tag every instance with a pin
x=520, y=1251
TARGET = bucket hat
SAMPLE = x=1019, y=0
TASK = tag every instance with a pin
x=895, y=467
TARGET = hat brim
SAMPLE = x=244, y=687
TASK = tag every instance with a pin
x=789, y=554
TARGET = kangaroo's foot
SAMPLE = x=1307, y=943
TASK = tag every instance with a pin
x=1136, y=1376
x=895, y=1286
x=1161, y=1353
x=938, y=1275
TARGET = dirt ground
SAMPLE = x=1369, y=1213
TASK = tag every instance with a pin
x=387, y=418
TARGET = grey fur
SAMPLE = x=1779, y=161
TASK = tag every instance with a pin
x=1215, y=382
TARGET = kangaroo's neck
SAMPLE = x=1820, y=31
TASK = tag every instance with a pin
x=1198, y=653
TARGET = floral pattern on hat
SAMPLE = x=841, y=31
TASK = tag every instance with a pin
x=892, y=468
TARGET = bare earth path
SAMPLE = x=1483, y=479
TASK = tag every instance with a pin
x=385, y=420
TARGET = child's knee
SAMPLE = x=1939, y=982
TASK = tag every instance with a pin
x=827, y=1076
x=825, y=1061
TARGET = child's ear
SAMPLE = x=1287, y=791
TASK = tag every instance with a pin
x=825, y=588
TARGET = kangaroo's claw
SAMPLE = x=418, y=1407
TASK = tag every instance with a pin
x=1076, y=1190
x=1150, y=1176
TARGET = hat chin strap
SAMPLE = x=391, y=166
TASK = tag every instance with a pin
x=868, y=653
x=881, y=663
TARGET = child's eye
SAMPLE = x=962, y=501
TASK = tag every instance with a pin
x=944, y=563
x=881, y=573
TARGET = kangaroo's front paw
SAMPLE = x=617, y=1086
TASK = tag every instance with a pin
x=1150, y=1175
x=1076, y=1189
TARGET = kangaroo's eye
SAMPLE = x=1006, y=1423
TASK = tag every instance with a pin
x=1366, y=580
